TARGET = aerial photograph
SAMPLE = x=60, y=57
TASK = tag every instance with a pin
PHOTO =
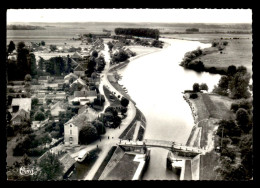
x=129, y=94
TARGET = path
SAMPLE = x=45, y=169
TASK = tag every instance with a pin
x=113, y=134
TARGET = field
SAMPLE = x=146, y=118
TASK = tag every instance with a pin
x=238, y=51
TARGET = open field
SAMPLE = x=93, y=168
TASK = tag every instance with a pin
x=238, y=51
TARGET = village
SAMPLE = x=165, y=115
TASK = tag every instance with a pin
x=48, y=110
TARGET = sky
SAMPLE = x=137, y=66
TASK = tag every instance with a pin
x=131, y=15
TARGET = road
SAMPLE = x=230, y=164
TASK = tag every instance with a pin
x=105, y=144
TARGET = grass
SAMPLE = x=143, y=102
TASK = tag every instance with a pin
x=120, y=173
x=207, y=164
x=104, y=163
x=201, y=107
x=130, y=133
x=210, y=106
x=238, y=52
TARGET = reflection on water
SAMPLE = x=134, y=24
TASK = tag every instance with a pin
x=155, y=83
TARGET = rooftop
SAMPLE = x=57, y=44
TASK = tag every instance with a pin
x=23, y=103
x=84, y=118
x=67, y=162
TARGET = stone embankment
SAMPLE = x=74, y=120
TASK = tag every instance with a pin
x=192, y=107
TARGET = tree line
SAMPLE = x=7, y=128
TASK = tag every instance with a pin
x=140, y=32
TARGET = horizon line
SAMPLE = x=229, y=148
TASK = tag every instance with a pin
x=132, y=22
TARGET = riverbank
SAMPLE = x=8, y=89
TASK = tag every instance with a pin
x=207, y=110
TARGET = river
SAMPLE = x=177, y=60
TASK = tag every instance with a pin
x=156, y=82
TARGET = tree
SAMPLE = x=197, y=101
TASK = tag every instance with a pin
x=223, y=83
x=53, y=47
x=39, y=116
x=23, y=67
x=88, y=134
x=112, y=110
x=232, y=69
x=204, y=86
x=27, y=77
x=110, y=45
x=238, y=85
x=42, y=43
x=196, y=87
x=41, y=63
x=242, y=118
x=91, y=66
x=228, y=128
x=13, y=172
x=11, y=47
x=32, y=62
x=123, y=110
x=95, y=54
x=50, y=168
x=124, y=102
x=35, y=101
x=99, y=126
x=246, y=145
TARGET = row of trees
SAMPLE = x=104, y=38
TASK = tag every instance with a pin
x=24, y=64
x=140, y=32
x=236, y=155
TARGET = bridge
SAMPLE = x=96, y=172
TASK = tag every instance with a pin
x=129, y=145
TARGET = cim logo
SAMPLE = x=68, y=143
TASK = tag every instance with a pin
x=28, y=171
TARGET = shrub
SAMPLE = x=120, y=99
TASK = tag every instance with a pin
x=193, y=96
x=225, y=43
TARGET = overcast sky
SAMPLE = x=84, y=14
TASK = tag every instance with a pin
x=131, y=15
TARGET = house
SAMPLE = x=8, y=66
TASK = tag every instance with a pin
x=70, y=76
x=20, y=117
x=75, y=124
x=94, y=81
x=80, y=69
x=43, y=79
x=76, y=56
x=57, y=108
x=84, y=96
x=56, y=96
x=78, y=81
x=37, y=124
x=21, y=103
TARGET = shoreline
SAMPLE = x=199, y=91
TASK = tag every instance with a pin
x=117, y=67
